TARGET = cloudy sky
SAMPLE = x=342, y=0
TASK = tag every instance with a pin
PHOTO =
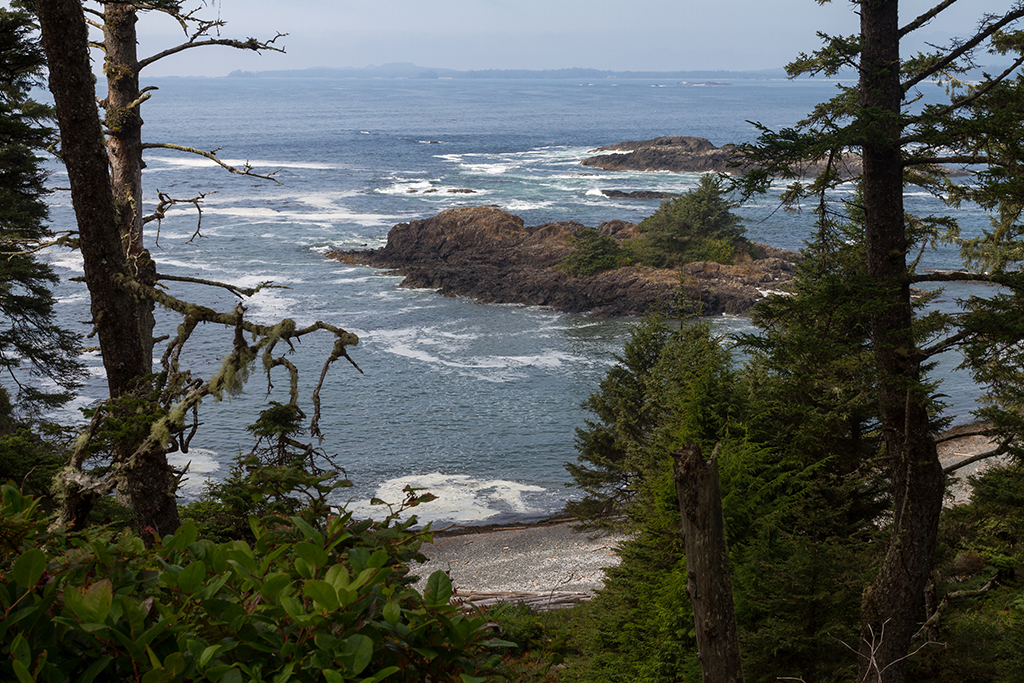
x=620, y=35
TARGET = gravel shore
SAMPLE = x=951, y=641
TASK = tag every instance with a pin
x=539, y=558
x=554, y=557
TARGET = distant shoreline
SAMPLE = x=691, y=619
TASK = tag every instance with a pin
x=405, y=70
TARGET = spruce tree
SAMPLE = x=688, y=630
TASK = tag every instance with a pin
x=37, y=356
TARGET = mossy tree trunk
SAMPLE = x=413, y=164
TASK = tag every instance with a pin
x=109, y=253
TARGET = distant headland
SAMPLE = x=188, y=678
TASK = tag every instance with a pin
x=407, y=70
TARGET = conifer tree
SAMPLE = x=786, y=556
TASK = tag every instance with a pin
x=898, y=145
x=31, y=343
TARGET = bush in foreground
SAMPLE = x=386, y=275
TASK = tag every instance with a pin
x=300, y=604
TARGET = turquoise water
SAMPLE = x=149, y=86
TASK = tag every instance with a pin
x=477, y=403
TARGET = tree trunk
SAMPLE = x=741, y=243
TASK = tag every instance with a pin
x=708, y=581
x=893, y=604
x=117, y=314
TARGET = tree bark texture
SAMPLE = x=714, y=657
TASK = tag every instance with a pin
x=708, y=581
x=124, y=147
x=149, y=483
x=893, y=605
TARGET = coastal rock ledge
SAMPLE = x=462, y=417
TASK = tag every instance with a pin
x=490, y=255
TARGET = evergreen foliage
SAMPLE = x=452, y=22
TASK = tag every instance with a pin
x=592, y=252
x=29, y=337
x=695, y=226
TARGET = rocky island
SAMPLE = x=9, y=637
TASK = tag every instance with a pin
x=686, y=154
x=489, y=255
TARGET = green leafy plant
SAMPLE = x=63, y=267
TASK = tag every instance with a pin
x=299, y=604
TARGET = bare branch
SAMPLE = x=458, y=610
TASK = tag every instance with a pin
x=976, y=94
x=983, y=429
x=1001, y=449
x=937, y=614
x=66, y=240
x=959, y=51
x=248, y=44
x=926, y=17
x=944, y=345
x=166, y=202
x=234, y=289
x=212, y=156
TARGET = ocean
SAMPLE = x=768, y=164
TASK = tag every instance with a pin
x=476, y=403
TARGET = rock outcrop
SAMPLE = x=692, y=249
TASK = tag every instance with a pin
x=491, y=256
x=684, y=154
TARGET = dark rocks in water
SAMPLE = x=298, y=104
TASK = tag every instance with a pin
x=638, y=194
x=490, y=255
x=685, y=154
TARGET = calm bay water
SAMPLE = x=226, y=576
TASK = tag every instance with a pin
x=476, y=403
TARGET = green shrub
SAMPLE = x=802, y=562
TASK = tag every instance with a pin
x=695, y=226
x=592, y=252
x=299, y=604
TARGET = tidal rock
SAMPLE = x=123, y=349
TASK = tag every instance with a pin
x=685, y=154
x=490, y=255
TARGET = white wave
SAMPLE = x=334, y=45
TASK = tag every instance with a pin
x=460, y=498
x=594, y=192
x=515, y=205
x=192, y=160
x=202, y=465
x=67, y=259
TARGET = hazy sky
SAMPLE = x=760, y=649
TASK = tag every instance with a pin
x=620, y=35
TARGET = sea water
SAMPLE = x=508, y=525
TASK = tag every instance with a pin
x=477, y=404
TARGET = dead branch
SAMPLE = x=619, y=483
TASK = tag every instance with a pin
x=240, y=292
x=66, y=240
x=248, y=44
x=937, y=614
x=212, y=156
x=166, y=202
x=1001, y=449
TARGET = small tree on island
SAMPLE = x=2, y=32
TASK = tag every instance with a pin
x=698, y=225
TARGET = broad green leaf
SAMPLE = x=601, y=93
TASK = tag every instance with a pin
x=392, y=612
x=256, y=526
x=185, y=536
x=439, y=590
x=94, y=670
x=315, y=556
x=303, y=568
x=274, y=585
x=285, y=674
x=378, y=559
x=322, y=593
x=332, y=676
x=29, y=568
x=308, y=530
x=22, y=672
x=466, y=678
x=338, y=576
x=21, y=651
x=208, y=654
x=191, y=578
x=357, y=653
x=158, y=676
x=213, y=587
x=381, y=675
x=97, y=600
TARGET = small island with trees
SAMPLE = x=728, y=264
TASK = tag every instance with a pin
x=689, y=256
